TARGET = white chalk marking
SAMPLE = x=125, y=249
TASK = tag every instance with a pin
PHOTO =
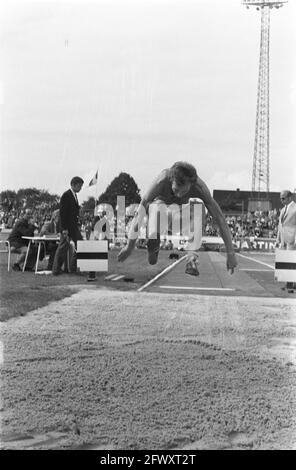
x=166, y=270
x=117, y=277
x=1, y=353
x=110, y=276
x=195, y=288
x=254, y=269
x=256, y=261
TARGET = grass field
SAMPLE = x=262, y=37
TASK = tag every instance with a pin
x=24, y=292
x=113, y=370
x=143, y=370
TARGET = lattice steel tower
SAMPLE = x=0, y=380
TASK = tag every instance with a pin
x=260, y=176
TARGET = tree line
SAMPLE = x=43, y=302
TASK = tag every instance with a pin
x=122, y=185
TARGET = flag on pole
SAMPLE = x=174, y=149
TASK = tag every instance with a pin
x=94, y=180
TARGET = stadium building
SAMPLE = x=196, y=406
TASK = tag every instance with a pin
x=240, y=202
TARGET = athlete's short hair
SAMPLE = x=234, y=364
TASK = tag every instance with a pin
x=76, y=180
x=182, y=172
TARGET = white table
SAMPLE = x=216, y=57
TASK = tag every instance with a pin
x=39, y=240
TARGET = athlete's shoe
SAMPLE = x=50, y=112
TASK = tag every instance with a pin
x=192, y=266
x=191, y=270
x=16, y=267
x=153, y=246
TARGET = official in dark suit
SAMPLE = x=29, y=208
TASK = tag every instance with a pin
x=51, y=227
x=69, y=210
x=286, y=236
x=69, y=214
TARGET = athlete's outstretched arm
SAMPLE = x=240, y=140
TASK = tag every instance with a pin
x=152, y=192
x=132, y=236
x=219, y=218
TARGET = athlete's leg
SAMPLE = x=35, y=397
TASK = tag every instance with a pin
x=192, y=228
x=157, y=223
x=153, y=247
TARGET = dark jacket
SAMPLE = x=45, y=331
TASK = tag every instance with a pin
x=69, y=213
x=22, y=228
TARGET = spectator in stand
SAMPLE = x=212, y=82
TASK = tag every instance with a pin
x=51, y=227
x=286, y=237
x=88, y=228
x=23, y=228
x=11, y=221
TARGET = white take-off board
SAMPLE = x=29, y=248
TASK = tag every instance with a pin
x=285, y=266
x=92, y=255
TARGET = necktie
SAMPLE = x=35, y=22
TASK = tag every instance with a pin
x=284, y=213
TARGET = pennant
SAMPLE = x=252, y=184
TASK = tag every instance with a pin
x=94, y=180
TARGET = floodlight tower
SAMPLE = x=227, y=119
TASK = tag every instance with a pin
x=260, y=176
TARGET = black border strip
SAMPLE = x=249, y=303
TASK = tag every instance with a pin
x=92, y=255
x=285, y=266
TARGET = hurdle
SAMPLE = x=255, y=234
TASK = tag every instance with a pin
x=92, y=255
x=285, y=265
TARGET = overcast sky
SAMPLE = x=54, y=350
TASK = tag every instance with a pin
x=135, y=85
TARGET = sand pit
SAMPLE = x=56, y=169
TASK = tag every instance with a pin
x=125, y=370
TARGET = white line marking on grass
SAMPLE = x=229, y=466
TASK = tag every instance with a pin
x=110, y=276
x=1, y=353
x=254, y=269
x=256, y=261
x=196, y=288
x=117, y=277
x=166, y=270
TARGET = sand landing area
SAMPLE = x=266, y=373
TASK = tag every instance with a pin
x=107, y=369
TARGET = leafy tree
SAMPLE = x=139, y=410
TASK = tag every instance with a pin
x=89, y=205
x=28, y=197
x=8, y=199
x=122, y=185
x=32, y=197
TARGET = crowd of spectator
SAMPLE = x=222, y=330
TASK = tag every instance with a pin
x=257, y=224
x=40, y=214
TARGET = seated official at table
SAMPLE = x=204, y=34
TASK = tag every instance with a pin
x=51, y=227
x=24, y=227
